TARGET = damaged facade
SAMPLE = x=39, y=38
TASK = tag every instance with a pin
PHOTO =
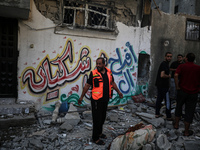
x=54, y=49
x=60, y=41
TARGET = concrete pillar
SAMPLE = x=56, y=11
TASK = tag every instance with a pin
x=171, y=6
x=56, y=111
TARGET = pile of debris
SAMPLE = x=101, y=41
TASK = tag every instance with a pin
x=132, y=126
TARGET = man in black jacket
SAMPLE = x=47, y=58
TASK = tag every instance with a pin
x=162, y=84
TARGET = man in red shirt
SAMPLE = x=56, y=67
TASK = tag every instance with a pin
x=187, y=81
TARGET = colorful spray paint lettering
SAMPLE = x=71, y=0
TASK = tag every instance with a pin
x=125, y=68
x=62, y=74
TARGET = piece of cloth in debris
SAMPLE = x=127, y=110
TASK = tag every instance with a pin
x=134, y=140
x=138, y=98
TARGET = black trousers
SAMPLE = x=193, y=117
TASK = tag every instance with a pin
x=98, y=115
x=163, y=93
x=190, y=101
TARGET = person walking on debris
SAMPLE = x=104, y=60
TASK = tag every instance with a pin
x=162, y=84
x=187, y=91
x=102, y=82
x=173, y=67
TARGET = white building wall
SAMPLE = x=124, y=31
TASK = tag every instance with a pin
x=49, y=66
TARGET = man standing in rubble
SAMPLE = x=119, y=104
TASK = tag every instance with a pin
x=162, y=84
x=187, y=81
x=102, y=82
x=173, y=67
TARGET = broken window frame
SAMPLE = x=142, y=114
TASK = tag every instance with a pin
x=109, y=21
x=194, y=36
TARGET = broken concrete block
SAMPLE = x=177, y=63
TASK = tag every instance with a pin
x=64, y=147
x=147, y=147
x=48, y=122
x=172, y=135
x=73, y=122
x=72, y=113
x=37, y=133
x=36, y=143
x=139, y=109
x=190, y=145
x=88, y=148
x=53, y=137
x=147, y=115
x=66, y=126
x=156, y=122
x=163, y=143
x=57, y=143
x=113, y=118
x=25, y=143
x=56, y=110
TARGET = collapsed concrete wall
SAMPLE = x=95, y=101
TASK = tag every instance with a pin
x=128, y=11
x=169, y=34
x=55, y=60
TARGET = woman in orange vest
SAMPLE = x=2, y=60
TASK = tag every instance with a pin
x=102, y=83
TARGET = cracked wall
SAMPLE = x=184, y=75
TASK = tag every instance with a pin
x=55, y=60
x=125, y=11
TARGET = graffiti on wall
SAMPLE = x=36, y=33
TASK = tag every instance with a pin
x=53, y=74
x=125, y=68
x=43, y=78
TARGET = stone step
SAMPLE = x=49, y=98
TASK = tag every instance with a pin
x=17, y=120
x=16, y=114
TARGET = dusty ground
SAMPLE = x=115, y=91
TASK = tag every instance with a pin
x=75, y=134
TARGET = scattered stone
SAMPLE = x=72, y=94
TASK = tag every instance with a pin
x=191, y=145
x=156, y=122
x=88, y=148
x=113, y=118
x=76, y=133
x=147, y=147
x=147, y=115
x=172, y=135
x=48, y=122
x=72, y=113
x=37, y=133
x=53, y=137
x=66, y=126
x=163, y=143
x=36, y=143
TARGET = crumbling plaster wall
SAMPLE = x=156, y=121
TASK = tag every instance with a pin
x=197, y=5
x=166, y=27
x=125, y=11
x=184, y=6
x=55, y=61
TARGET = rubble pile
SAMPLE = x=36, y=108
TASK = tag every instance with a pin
x=73, y=131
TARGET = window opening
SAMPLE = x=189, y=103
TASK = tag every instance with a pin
x=176, y=9
x=79, y=14
x=193, y=30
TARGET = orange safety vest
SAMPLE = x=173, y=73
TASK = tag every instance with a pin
x=97, y=89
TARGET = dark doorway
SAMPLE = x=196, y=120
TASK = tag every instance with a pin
x=8, y=57
x=143, y=66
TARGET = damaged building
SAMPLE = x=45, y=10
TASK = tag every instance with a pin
x=49, y=47
x=56, y=44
